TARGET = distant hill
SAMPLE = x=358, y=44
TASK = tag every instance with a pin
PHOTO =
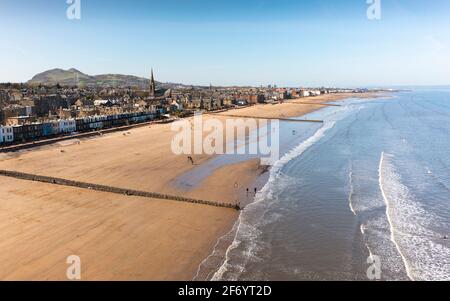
x=74, y=77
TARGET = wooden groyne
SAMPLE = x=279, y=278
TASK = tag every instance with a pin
x=267, y=118
x=111, y=189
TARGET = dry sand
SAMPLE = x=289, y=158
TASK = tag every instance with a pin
x=292, y=108
x=119, y=237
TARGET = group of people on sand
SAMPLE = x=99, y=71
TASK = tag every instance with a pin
x=255, y=190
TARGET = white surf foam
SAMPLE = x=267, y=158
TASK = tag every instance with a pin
x=363, y=232
x=299, y=150
x=215, y=254
x=246, y=228
x=352, y=191
x=389, y=218
x=424, y=254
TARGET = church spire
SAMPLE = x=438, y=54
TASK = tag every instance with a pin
x=152, y=85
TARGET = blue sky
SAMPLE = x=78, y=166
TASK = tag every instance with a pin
x=232, y=42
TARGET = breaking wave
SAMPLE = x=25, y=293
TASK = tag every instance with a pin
x=424, y=253
x=352, y=191
x=246, y=244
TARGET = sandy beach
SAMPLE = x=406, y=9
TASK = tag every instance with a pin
x=121, y=237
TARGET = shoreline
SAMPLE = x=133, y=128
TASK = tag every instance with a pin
x=138, y=163
x=260, y=180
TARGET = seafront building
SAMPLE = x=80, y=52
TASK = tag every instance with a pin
x=6, y=134
x=29, y=113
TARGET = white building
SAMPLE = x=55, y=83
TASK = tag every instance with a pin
x=6, y=134
x=67, y=126
x=103, y=102
x=304, y=93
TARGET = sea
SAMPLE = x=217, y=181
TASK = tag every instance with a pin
x=363, y=196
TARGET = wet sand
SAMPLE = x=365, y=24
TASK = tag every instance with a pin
x=119, y=237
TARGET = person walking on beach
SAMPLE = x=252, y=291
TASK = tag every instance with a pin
x=191, y=160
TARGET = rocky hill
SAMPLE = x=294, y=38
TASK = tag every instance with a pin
x=74, y=77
